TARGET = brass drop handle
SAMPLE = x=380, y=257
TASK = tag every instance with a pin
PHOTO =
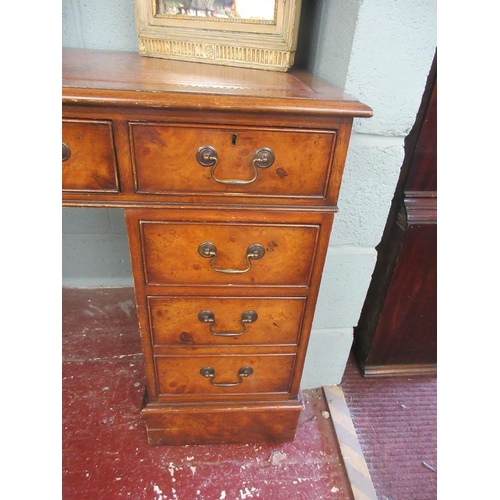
x=209, y=372
x=209, y=317
x=66, y=152
x=207, y=157
x=209, y=251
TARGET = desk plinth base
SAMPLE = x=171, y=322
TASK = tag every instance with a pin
x=221, y=423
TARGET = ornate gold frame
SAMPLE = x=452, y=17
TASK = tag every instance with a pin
x=261, y=44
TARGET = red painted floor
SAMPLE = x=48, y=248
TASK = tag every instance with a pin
x=105, y=453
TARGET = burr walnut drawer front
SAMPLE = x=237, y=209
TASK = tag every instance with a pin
x=88, y=156
x=252, y=161
x=202, y=375
x=177, y=253
x=195, y=321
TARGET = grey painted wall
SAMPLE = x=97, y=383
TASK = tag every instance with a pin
x=379, y=51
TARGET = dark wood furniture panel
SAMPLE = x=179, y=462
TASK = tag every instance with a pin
x=397, y=330
x=229, y=178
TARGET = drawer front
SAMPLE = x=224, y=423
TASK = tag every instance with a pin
x=235, y=374
x=226, y=254
x=165, y=161
x=194, y=321
x=89, y=162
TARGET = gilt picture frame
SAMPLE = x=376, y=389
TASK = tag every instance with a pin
x=260, y=34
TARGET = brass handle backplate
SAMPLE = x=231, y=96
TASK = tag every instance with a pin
x=209, y=372
x=209, y=317
x=66, y=152
x=263, y=157
x=207, y=157
x=209, y=251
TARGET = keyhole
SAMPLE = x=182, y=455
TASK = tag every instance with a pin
x=234, y=138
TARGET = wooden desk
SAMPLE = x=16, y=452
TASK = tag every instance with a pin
x=229, y=178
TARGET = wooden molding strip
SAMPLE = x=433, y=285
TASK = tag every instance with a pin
x=418, y=209
x=354, y=460
x=399, y=370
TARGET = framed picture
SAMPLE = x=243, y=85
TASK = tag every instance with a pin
x=258, y=34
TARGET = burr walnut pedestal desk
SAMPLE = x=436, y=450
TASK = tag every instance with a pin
x=229, y=179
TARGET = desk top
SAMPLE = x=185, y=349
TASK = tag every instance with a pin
x=126, y=78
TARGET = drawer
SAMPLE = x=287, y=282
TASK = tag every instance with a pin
x=193, y=321
x=211, y=375
x=89, y=162
x=177, y=253
x=244, y=161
